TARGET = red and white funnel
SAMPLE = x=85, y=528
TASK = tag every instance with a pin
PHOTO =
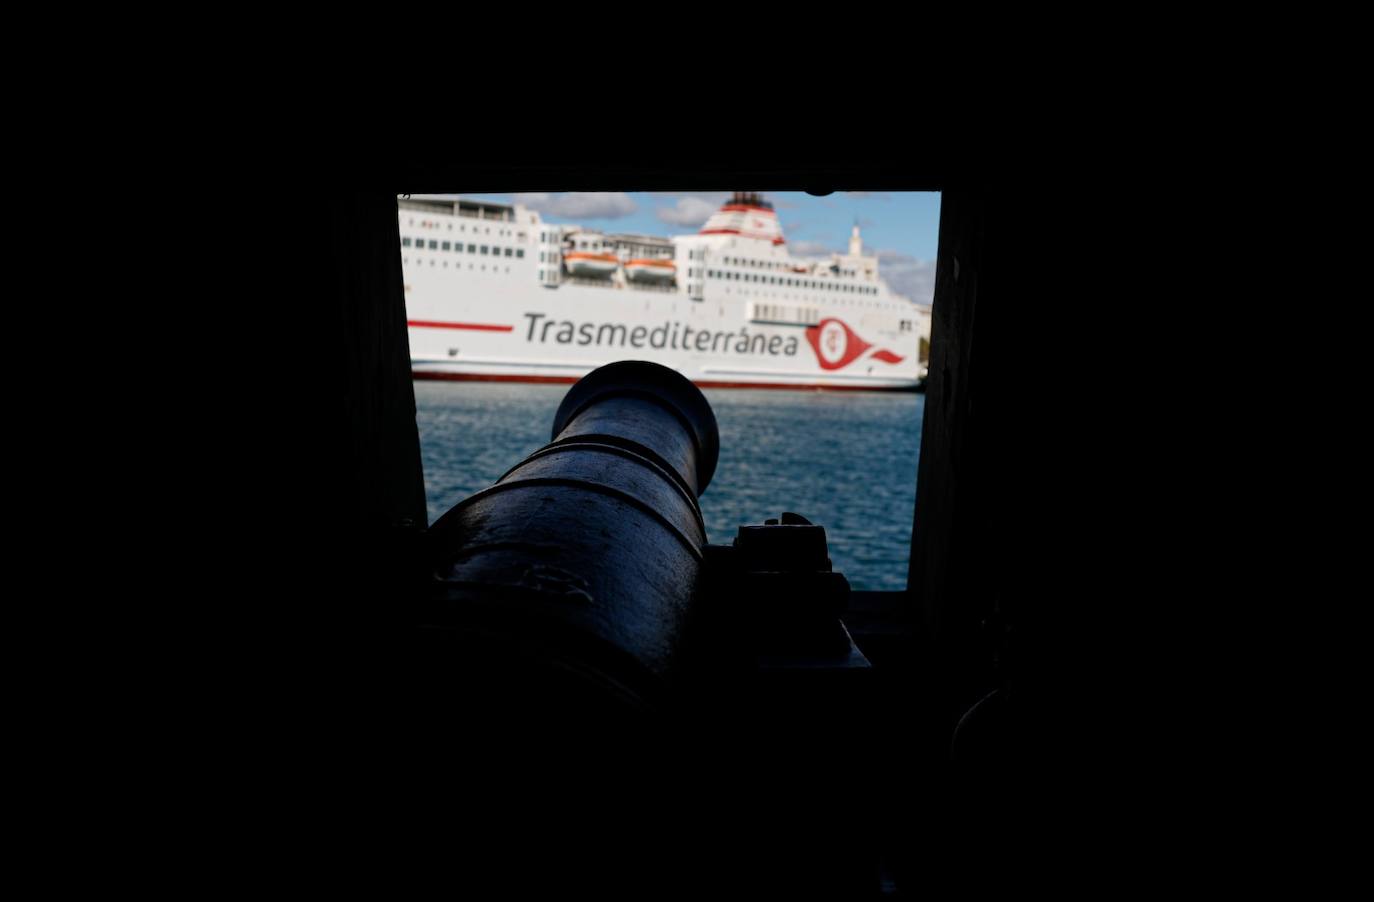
x=748, y=216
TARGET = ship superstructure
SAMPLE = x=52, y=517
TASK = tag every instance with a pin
x=495, y=293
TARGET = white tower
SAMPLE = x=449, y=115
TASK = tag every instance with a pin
x=856, y=244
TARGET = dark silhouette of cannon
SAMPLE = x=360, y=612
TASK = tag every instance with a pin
x=582, y=581
x=583, y=648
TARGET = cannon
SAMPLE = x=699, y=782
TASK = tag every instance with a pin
x=602, y=694
x=582, y=582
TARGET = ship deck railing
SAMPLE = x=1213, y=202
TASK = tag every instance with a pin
x=668, y=288
x=455, y=208
x=595, y=282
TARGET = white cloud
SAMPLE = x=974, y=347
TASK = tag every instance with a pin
x=689, y=211
x=911, y=278
x=580, y=205
x=810, y=248
x=715, y=197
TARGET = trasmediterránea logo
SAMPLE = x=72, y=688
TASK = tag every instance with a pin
x=677, y=336
x=835, y=344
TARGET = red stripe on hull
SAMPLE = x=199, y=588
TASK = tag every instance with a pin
x=479, y=327
x=787, y=385
x=568, y=380
x=741, y=234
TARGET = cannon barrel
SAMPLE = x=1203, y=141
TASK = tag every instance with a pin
x=567, y=585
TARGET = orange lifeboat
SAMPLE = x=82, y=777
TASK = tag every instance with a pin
x=649, y=270
x=590, y=265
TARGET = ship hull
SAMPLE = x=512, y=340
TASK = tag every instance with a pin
x=510, y=334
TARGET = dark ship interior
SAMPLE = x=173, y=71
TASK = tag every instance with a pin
x=404, y=744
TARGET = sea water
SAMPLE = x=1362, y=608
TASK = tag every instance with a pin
x=844, y=460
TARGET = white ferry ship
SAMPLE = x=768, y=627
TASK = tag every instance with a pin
x=495, y=293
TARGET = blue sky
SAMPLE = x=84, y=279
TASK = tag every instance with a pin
x=902, y=228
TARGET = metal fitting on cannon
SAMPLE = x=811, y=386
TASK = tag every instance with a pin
x=777, y=583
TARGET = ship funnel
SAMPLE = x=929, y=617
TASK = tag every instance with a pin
x=747, y=215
